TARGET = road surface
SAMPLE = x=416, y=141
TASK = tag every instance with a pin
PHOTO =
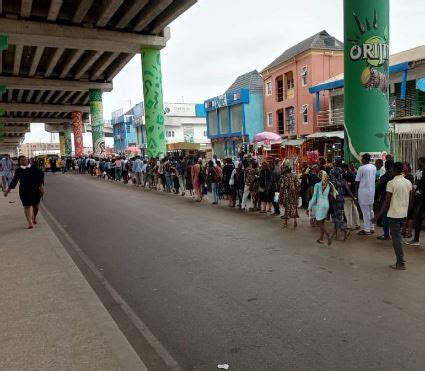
x=215, y=285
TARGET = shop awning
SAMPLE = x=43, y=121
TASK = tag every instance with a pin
x=327, y=134
x=293, y=142
x=183, y=145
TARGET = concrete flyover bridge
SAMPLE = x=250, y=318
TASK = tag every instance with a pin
x=57, y=57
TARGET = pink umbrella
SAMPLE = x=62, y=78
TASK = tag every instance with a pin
x=267, y=136
x=133, y=150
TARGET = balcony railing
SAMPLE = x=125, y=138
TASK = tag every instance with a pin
x=406, y=108
x=328, y=118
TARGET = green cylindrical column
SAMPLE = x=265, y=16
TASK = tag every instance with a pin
x=96, y=113
x=67, y=140
x=62, y=143
x=366, y=65
x=154, y=105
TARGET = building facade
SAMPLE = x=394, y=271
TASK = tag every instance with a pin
x=236, y=116
x=123, y=131
x=289, y=108
x=407, y=103
x=38, y=149
x=185, y=126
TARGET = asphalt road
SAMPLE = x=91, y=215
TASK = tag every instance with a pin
x=215, y=285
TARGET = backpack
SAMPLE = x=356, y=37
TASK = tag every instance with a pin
x=201, y=176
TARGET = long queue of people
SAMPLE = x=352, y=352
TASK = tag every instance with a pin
x=384, y=194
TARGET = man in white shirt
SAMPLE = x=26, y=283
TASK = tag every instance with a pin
x=396, y=205
x=365, y=186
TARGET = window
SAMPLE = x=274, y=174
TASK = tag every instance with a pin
x=304, y=111
x=224, y=120
x=268, y=88
x=128, y=128
x=205, y=133
x=236, y=118
x=304, y=74
x=279, y=88
x=290, y=84
x=212, y=122
x=169, y=133
x=290, y=120
x=269, y=119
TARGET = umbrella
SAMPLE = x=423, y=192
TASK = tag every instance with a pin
x=132, y=150
x=267, y=136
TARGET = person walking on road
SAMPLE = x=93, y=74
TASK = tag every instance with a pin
x=215, y=176
x=338, y=203
x=198, y=180
x=288, y=195
x=6, y=168
x=266, y=188
x=365, y=185
x=381, y=192
x=31, y=188
x=418, y=208
x=396, y=206
x=320, y=202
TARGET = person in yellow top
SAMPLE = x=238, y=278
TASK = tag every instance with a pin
x=396, y=205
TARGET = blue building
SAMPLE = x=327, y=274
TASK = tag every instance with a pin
x=236, y=116
x=123, y=131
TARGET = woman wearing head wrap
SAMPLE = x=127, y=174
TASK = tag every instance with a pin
x=337, y=203
x=320, y=202
x=288, y=195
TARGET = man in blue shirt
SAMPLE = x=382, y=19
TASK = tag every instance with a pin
x=137, y=169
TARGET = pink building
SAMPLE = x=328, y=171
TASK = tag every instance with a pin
x=289, y=108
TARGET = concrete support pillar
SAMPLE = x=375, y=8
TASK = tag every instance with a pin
x=154, y=105
x=62, y=143
x=96, y=112
x=67, y=140
x=77, y=125
x=366, y=66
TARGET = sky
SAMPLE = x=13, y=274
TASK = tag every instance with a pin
x=217, y=40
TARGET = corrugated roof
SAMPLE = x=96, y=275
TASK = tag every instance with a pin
x=321, y=40
x=250, y=80
x=410, y=55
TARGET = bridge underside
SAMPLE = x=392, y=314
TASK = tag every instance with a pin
x=59, y=50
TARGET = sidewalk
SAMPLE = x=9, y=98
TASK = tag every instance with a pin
x=50, y=318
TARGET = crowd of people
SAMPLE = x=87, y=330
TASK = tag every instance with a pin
x=384, y=194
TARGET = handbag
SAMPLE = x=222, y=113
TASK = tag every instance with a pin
x=300, y=202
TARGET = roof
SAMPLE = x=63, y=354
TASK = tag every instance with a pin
x=410, y=55
x=250, y=80
x=327, y=134
x=396, y=60
x=321, y=40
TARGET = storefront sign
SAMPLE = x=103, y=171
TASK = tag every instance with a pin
x=179, y=109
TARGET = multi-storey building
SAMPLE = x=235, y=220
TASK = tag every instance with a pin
x=123, y=131
x=236, y=116
x=185, y=126
x=406, y=107
x=289, y=108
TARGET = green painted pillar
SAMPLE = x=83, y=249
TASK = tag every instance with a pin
x=62, y=143
x=366, y=80
x=96, y=113
x=67, y=140
x=154, y=105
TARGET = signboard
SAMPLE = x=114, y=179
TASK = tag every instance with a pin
x=221, y=101
x=180, y=109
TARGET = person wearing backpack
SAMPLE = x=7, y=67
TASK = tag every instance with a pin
x=198, y=180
